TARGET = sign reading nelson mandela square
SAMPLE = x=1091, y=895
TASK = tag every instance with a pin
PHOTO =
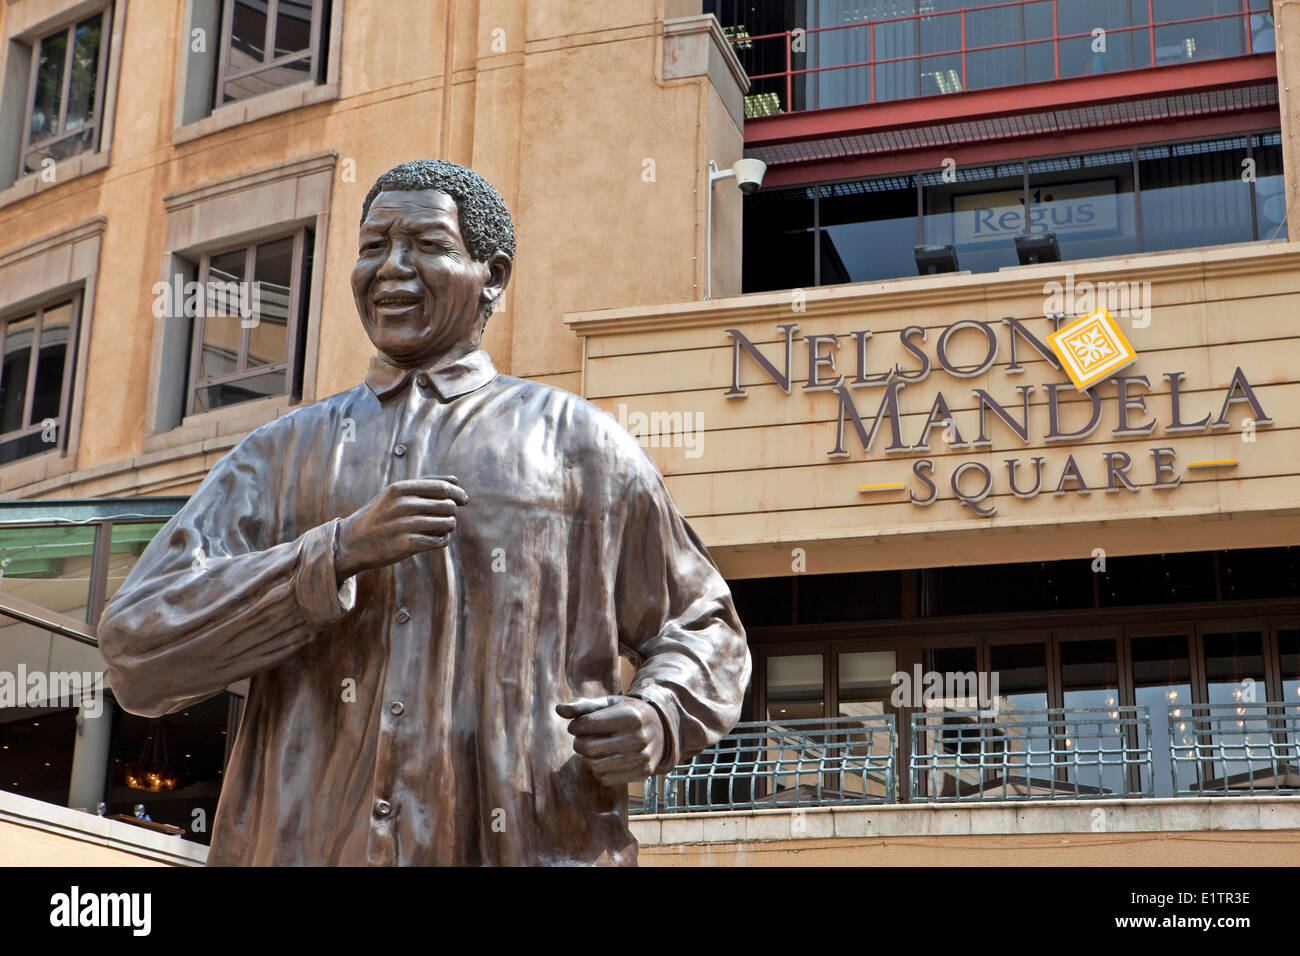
x=868, y=373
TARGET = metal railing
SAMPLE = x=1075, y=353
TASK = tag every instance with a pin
x=1238, y=748
x=797, y=763
x=1070, y=753
x=950, y=67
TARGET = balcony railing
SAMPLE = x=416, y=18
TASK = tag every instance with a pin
x=924, y=54
x=1069, y=753
x=795, y=763
x=1227, y=749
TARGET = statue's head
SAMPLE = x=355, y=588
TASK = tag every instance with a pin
x=435, y=254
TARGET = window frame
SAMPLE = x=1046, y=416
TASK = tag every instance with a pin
x=75, y=299
x=101, y=76
x=293, y=327
x=269, y=61
x=816, y=193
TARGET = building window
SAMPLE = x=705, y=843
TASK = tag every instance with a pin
x=248, y=337
x=36, y=378
x=67, y=89
x=872, y=51
x=1118, y=202
x=267, y=45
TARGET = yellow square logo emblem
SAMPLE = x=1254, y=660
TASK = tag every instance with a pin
x=1092, y=349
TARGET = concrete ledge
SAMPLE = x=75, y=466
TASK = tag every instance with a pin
x=250, y=111
x=1009, y=818
x=36, y=833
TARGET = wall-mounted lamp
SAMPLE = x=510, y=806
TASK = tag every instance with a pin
x=749, y=177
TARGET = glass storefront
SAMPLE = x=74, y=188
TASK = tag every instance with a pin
x=1067, y=653
x=1115, y=202
x=63, y=739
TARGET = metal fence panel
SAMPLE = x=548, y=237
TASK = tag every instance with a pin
x=1238, y=748
x=795, y=763
x=1062, y=753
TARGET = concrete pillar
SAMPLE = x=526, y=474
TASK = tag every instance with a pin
x=90, y=754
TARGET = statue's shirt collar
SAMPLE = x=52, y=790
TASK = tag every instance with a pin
x=450, y=379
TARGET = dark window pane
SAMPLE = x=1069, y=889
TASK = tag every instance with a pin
x=48, y=96
x=36, y=748
x=247, y=35
x=1021, y=671
x=60, y=149
x=1038, y=586
x=185, y=751
x=265, y=81
x=85, y=73
x=272, y=281
x=1087, y=201
x=869, y=230
x=1233, y=661
x=227, y=298
x=825, y=598
x=950, y=660
x=16, y=448
x=1202, y=40
x=1193, y=194
x=1090, y=673
x=795, y=687
x=292, y=27
x=1158, y=579
x=56, y=332
x=980, y=213
x=1254, y=573
x=1270, y=196
x=240, y=390
x=762, y=601
x=13, y=375
x=778, y=243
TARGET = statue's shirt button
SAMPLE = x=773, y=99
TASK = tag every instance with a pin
x=403, y=615
x=422, y=380
x=396, y=708
x=383, y=808
x=399, y=449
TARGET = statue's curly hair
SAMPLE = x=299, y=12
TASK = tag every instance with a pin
x=485, y=222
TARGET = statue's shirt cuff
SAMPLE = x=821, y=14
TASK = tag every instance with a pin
x=315, y=586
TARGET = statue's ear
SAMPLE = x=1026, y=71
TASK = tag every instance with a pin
x=499, y=269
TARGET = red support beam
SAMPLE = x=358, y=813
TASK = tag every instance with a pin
x=1012, y=100
x=1029, y=146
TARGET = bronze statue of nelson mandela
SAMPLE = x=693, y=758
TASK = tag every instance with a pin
x=428, y=579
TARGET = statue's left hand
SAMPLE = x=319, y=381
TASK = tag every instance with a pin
x=621, y=737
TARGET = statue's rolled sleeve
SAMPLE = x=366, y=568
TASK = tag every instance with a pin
x=315, y=585
x=676, y=612
x=209, y=602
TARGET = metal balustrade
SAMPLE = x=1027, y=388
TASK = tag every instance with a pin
x=1068, y=753
x=901, y=57
x=796, y=763
x=969, y=756
x=1236, y=748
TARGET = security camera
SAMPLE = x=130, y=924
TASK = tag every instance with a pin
x=749, y=175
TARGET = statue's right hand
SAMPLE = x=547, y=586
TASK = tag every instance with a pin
x=407, y=517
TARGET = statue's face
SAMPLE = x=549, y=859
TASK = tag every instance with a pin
x=418, y=289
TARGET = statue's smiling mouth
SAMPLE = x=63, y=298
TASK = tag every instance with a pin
x=397, y=301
